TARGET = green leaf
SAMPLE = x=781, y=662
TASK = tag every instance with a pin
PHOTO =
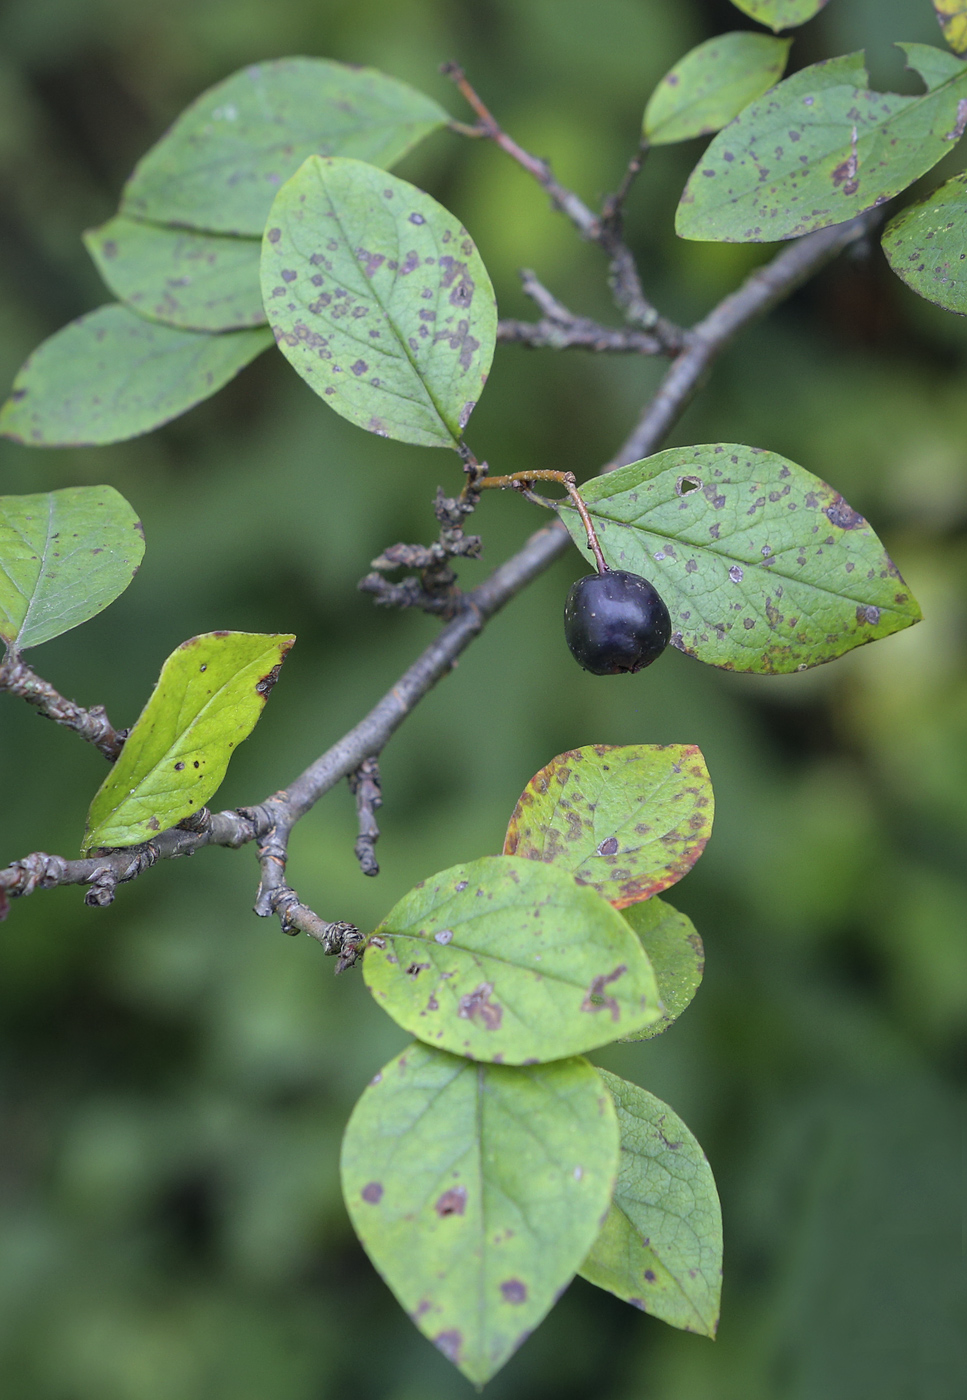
x=220, y=165
x=209, y=696
x=64, y=556
x=675, y=952
x=661, y=1245
x=952, y=15
x=477, y=1190
x=196, y=281
x=380, y=300
x=780, y=14
x=934, y=65
x=711, y=85
x=926, y=245
x=112, y=375
x=817, y=150
x=763, y=566
x=510, y=960
x=627, y=821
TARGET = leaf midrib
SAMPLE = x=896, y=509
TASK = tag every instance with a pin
x=743, y=563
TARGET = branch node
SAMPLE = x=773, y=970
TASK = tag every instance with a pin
x=365, y=786
x=199, y=822
x=103, y=887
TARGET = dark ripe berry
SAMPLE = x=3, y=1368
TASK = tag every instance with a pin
x=615, y=622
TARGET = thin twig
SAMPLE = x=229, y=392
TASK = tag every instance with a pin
x=524, y=480
x=564, y=199
x=624, y=279
x=16, y=678
x=560, y=329
x=581, y=334
x=365, y=786
x=369, y=737
x=545, y=301
x=613, y=207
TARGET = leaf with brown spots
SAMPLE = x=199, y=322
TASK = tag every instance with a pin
x=952, y=15
x=477, y=1190
x=780, y=14
x=711, y=85
x=629, y=821
x=926, y=245
x=195, y=281
x=209, y=697
x=817, y=150
x=219, y=166
x=378, y=298
x=676, y=953
x=113, y=375
x=519, y=963
x=64, y=556
x=661, y=1245
x=763, y=566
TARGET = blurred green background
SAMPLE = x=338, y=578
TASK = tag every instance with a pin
x=175, y=1074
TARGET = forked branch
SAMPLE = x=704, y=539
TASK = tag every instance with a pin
x=270, y=822
x=604, y=230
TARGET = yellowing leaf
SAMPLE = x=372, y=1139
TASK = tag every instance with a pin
x=629, y=821
x=952, y=17
x=209, y=697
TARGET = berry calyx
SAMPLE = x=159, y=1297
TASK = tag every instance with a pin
x=615, y=622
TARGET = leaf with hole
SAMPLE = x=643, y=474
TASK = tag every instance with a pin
x=112, y=375
x=712, y=84
x=196, y=281
x=817, y=150
x=780, y=14
x=926, y=246
x=661, y=1245
x=763, y=567
x=477, y=1190
x=209, y=696
x=952, y=15
x=64, y=556
x=510, y=960
x=221, y=164
x=675, y=952
x=628, y=821
x=935, y=66
x=378, y=297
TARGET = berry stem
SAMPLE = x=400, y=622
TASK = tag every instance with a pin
x=524, y=480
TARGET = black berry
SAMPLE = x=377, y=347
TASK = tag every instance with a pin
x=615, y=622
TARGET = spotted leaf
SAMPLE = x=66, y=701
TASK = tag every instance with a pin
x=195, y=281
x=661, y=1245
x=817, y=150
x=952, y=16
x=209, y=697
x=780, y=14
x=763, y=566
x=711, y=85
x=675, y=952
x=627, y=821
x=220, y=165
x=510, y=960
x=64, y=556
x=378, y=297
x=112, y=375
x=477, y=1190
x=926, y=245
